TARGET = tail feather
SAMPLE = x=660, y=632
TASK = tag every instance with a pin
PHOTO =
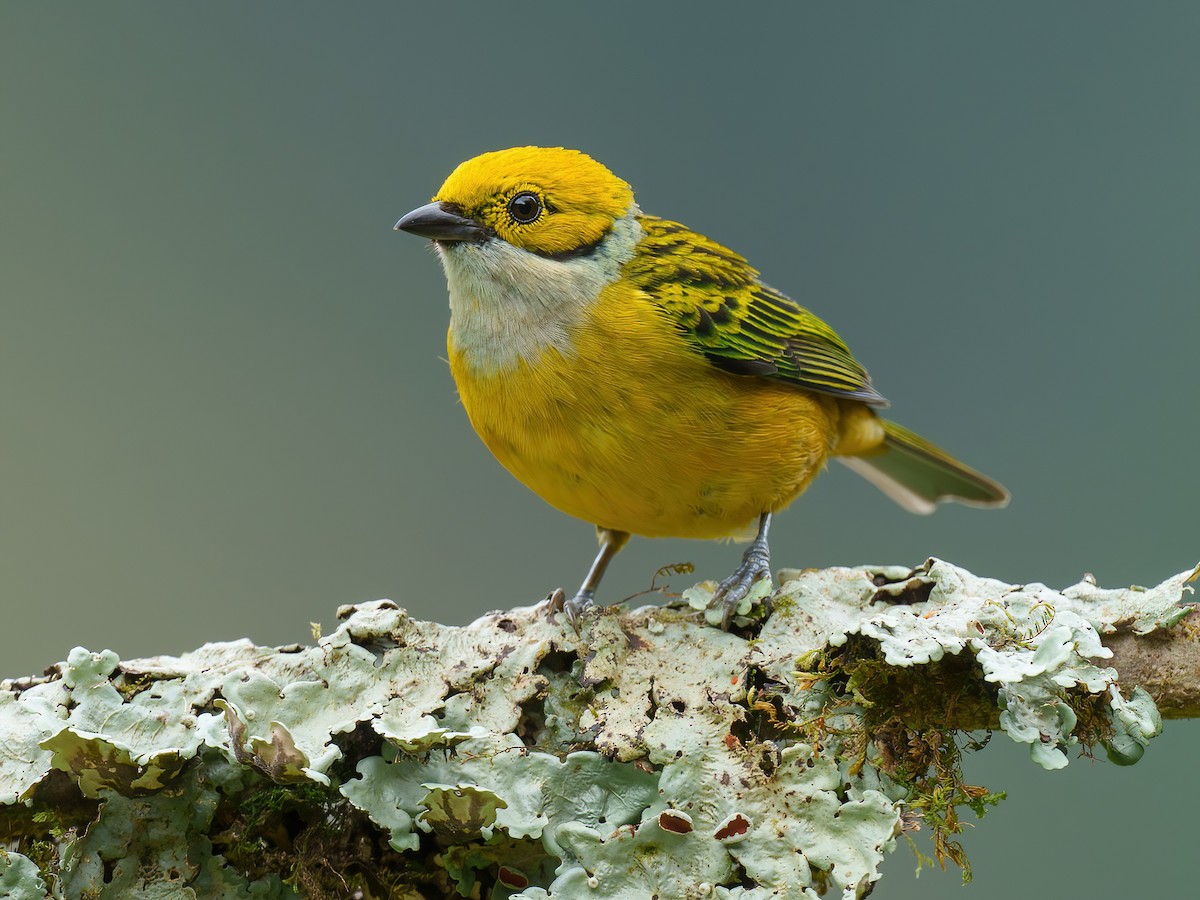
x=918, y=475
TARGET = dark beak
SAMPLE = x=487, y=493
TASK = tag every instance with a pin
x=441, y=222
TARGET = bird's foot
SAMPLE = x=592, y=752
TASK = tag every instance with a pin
x=755, y=567
x=574, y=608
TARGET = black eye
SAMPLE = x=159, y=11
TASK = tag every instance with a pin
x=525, y=207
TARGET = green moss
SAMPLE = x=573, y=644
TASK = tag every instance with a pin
x=318, y=844
x=903, y=722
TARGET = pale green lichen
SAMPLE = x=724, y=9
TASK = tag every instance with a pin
x=1035, y=644
x=20, y=878
x=512, y=758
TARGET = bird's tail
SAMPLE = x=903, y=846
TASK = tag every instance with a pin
x=918, y=475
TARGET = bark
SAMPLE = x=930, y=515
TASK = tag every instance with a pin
x=1164, y=663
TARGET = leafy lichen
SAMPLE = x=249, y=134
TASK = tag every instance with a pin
x=513, y=758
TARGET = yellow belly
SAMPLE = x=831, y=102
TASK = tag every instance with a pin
x=635, y=432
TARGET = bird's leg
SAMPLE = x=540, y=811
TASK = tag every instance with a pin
x=610, y=544
x=756, y=564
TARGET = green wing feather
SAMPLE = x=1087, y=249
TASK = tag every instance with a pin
x=739, y=324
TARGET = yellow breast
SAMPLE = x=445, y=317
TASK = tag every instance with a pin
x=617, y=422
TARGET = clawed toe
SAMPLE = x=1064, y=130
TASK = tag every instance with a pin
x=733, y=590
x=755, y=567
x=556, y=601
x=576, y=607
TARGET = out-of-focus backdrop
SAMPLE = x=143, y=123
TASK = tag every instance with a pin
x=225, y=409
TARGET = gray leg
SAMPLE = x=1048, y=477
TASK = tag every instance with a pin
x=756, y=564
x=611, y=543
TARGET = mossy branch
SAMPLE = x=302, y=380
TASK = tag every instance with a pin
x=512, y=758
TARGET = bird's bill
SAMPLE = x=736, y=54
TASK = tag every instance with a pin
x=440, y=221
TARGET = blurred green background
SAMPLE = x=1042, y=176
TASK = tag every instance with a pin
x=225, y=410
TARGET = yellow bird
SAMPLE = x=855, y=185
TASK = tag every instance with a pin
x=639, y=376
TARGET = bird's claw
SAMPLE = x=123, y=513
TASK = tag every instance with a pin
x=729, y=594
x=556, y=601
x=576, y=607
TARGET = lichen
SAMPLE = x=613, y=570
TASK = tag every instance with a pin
x=514, y=758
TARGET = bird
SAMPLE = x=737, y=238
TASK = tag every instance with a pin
x=641, y=377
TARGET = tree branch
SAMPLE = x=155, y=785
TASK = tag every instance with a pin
x=650, y=753
x=1165, y=662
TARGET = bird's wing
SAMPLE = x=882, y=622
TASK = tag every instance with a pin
x=714, y=297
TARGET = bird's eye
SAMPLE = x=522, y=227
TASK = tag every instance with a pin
x=525, y=207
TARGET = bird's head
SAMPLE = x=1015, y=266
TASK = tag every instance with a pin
x=549, y=201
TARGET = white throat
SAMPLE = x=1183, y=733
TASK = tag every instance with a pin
x=507, y=304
